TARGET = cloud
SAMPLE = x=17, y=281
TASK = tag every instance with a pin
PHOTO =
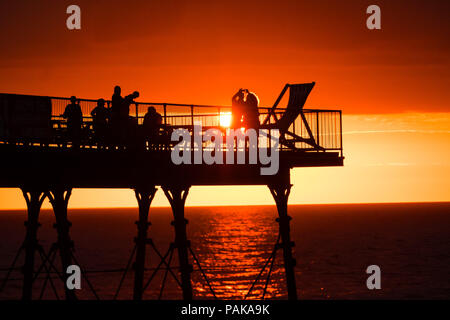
x=396, y=131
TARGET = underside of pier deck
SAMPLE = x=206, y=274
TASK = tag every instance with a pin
x=90, y=168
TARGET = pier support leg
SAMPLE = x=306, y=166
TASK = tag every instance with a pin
x=34, y=201
x=59, y=198
x=177, y=197
x=144, y=198
x=280, y=193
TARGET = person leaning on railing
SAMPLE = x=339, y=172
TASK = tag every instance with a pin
x=128, y=124
x=74, y=118
x=251, y=113
x=100, y=116
x=127, y=101
x=152, y=125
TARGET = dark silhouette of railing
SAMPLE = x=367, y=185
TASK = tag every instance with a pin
x=326, y=125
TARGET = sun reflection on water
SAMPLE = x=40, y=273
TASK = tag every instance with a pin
x=233, y=248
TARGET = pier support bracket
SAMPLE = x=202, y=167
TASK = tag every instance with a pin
x=280, y=193
x=34, y=200
x=59, y=199
x=177, y=197
x=144, y=198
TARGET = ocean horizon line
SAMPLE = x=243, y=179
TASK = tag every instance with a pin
x=250, y=205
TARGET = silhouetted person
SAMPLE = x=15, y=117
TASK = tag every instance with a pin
x=74, y=118
x=237, y=108
x=116, y=106
x=251, y=113
x=127, y=101
x=100, y=116
x=117, y=124
x=128, y=125
x=152, y=123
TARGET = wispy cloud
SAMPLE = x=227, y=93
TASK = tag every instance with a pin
x=390, y=164
x=396, y=131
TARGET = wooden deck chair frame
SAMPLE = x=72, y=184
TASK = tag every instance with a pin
x=291, y=108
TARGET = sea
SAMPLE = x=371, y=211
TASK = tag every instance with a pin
x=231, y=245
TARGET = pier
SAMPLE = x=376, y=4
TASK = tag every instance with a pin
x=39, y=159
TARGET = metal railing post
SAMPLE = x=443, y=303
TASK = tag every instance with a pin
x=165, y=115
x=317, y=128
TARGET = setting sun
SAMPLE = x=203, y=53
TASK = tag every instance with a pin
x=225, y=119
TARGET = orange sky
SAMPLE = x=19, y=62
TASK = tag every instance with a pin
x=202, y=51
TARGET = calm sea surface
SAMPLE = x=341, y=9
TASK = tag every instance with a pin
x=334, y=246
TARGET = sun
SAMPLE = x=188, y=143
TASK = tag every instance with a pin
x=225, y=119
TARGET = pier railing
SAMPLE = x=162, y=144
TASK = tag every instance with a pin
x=325, y=125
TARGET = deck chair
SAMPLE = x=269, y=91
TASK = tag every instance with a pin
x=298, y=93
